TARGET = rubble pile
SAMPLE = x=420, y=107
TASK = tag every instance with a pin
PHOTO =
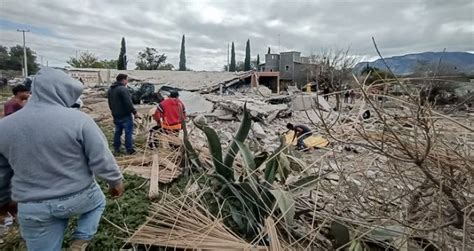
x=363, y=182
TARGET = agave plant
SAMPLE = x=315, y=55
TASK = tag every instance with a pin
x=250, y=199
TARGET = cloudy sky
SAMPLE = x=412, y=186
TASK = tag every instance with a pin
x=59, y=28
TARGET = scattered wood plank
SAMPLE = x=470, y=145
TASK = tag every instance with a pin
x=154, y=178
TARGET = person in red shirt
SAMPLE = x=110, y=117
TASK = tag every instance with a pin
x=170, y=113
x=21, y=94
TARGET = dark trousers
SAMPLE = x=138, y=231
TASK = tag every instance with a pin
x=300, y=143
x=123, y=124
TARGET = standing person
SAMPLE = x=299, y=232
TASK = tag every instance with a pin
x=346, y=96
x=20, y=96
x=152, y=141
x=352, y=96
x=170, y=113
x=120, y=103
x=301, y=133
x=326, y=93
x=48, y=161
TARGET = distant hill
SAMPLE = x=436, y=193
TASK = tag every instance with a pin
x=453, y=62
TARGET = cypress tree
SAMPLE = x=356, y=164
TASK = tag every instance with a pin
x=182, y=57
x=122, y=59
x=232, y=58
x=258, y=61
x=247, y=56
x=268, y=50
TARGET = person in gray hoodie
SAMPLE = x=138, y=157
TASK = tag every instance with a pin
x=50, y=155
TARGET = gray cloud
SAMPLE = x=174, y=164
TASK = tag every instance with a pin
x=400, y=26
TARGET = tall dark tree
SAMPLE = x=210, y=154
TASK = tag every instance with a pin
x=182, y=57
x=122, y=59
x=232, y=58
x=16, y=59
x=247, y=56
x=258, y=61
x=268, y=50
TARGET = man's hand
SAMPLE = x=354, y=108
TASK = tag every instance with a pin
x=10, y=207
x=117, y=190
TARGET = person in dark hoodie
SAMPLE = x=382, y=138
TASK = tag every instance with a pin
x=120, y=103
x=48, y=163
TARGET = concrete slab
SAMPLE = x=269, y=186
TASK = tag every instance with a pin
x=308, y=102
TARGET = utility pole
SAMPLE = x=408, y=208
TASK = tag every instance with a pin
x=25, y=60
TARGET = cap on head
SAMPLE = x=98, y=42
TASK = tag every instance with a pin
x=289, y=126
x=174, y=94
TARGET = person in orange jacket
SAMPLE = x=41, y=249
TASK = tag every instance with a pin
x=170, y=113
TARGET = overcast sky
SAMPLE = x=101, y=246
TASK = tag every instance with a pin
x=59, y=29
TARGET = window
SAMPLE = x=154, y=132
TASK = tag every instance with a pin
x=287, y=68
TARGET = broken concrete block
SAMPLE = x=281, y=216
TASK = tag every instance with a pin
x=221, y=112
x=195, y=103
x=293, y=90
x=308, y=102
x=263, y=90
x=200, y=120
x=258, y=131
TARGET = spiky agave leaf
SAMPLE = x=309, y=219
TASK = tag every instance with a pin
x=216, y=151
x=192, y=155
x=241, y=135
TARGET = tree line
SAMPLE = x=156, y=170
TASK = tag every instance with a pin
x=148, y=59
x=12, y=59
x=246, y=65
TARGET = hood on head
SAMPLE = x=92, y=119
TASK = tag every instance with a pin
x=54, y=87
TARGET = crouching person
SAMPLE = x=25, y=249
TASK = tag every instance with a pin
x=301, y=133
x=49, y=158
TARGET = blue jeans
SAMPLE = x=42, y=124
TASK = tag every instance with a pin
x=44, y=223
x=300, y=143
x=120, y=125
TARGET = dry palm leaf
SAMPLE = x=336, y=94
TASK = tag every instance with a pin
x=184, y=223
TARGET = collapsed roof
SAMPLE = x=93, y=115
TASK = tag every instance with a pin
x=204, y=81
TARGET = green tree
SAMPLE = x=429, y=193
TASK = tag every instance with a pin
x=268, y=50
x=85, y=60
x=150, y=59
x=258, y=61
x=4, y=57
x=122, y=59
x=110, y=64
x=247, y=65
x=232, y=58
x=182, y=56
x=15, y=60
